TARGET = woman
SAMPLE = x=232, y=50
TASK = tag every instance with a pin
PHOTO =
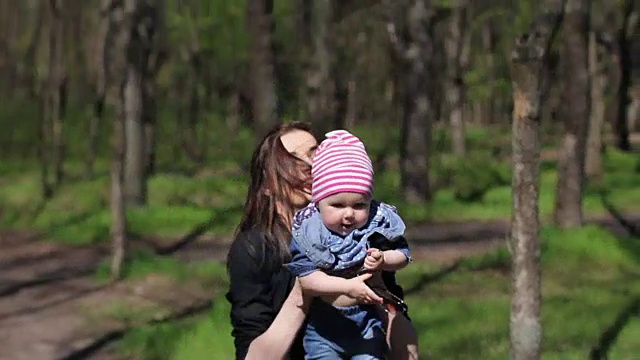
x=267, y=306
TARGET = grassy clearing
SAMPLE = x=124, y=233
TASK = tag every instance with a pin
x=179, y=202
x=589, y=277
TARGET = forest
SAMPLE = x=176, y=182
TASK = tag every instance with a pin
x=506, y=132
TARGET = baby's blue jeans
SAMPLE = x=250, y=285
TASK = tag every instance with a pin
x=354, y=332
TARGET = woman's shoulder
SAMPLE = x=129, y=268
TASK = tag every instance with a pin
x=247, y=244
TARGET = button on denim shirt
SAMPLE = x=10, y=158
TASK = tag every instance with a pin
x=315, y=247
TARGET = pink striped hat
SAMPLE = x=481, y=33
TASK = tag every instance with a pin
x=341, y=164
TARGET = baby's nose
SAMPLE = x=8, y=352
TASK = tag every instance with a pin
x=349, y=213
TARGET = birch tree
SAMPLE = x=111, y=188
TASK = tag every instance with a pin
x=528, y=62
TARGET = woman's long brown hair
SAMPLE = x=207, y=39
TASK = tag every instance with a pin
x=275, y=176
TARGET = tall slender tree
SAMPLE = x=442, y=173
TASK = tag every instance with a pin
x=576, y=111
x=264, y=99
x=528, y=60
x=119, y=17
x=455, y=64
x=414, y=50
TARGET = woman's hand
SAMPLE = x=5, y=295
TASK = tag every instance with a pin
x=374, y=260
x=362, y=292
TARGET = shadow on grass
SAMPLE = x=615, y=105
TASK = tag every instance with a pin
x=10, y=288
x=28, y=260
x=632, y=243
x=608, y=337
x=115, y=335
x=192, y=236
x=429, y=278
x=34, y=309
x=189, y=238
x=628, y=225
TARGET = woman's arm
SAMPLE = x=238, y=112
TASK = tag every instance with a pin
x=258, y=328
x=278, y=337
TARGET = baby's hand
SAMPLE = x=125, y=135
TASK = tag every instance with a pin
x=374, y=260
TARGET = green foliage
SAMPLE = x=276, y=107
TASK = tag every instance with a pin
x=215, y=28
x=471, y=176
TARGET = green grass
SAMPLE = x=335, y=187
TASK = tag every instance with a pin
x=178, y=203
x=621, y=183
x=142, y=263
x=79, y=214
x=588, y=278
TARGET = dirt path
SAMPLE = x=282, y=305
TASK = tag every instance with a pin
x=52, y=308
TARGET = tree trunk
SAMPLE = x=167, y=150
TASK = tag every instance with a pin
x=118, y=209
x=304, y=44
x=53, y=103
x=156, y=56
x=417, y=118
x=576, y=112
x=320, y=76
x=94, y=133
x=593, y=163
x=454, y=44
x=116, y=64
x=139, y=103
x=190, y=139
x=135, y=157
x=262, y=65
x=488, y=104
x=31, y=54
x=45, y=146
x=633, y=114
x=99, y=86
x=527, y=76
x=620, y=123
x=57, y=87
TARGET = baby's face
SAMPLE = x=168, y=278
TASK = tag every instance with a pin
x=344, y=212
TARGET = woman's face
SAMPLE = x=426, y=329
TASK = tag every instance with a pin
x=302, y=145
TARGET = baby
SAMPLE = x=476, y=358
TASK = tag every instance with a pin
x=343, y=233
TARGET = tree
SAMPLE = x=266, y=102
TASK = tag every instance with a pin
x=455, y=64
x=139, y=103
x=623, y=61
x=321, y=72
x=95, y=48
x=597, y=72
x=576, y=111
x=264, y=98
x=415, y=144
x=119, y=17
x=528, y=62
x=53, y=100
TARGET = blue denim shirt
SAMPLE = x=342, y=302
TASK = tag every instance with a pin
x=315, y=247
